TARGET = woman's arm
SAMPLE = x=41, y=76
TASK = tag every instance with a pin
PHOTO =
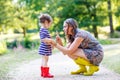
x=65, y=50
x=72, y=48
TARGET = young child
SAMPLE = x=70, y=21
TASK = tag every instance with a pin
x=45, y=50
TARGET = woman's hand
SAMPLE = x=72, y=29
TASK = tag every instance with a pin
x=58, y=39
x=49, y=41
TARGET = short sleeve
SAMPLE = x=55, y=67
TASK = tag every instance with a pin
x=44, y=34
x=81, y=34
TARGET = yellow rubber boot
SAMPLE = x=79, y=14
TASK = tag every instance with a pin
x=81, y=70
x=92, y=68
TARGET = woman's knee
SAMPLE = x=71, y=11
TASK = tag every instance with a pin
x=72, y=56
x=80, y=53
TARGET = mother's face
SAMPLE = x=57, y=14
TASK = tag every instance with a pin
x=67, y=29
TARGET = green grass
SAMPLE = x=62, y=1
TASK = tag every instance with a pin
x=108, y=41
x=112, y=59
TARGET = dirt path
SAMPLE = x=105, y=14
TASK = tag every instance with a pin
x=60, y=66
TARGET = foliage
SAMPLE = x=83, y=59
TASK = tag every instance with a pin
x=23, y=14
x=116, y=35
x=26, y=43
x=13, y=44
x=118, y=28
x=3, y=47
x=87, y=13
x=6, y=14
x=117, y=7
x=15, y=16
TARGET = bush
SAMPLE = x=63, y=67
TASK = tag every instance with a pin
x=28, y=43
x=118, y=28
x=13, y=44
x=116, y=35
x=3, y=47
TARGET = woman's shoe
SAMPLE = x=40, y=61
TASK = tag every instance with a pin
x=80, y=71
x=91, y=70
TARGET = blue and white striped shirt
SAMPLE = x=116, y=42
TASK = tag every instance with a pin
x=44, y=48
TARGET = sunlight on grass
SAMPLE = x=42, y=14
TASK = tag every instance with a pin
x=112, y=59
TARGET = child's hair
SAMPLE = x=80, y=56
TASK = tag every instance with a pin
x=44, y=17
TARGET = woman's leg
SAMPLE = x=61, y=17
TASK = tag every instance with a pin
x=74, y=56
x=79, y=53
x=80, y=59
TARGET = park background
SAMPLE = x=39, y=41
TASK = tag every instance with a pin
x=19, y=28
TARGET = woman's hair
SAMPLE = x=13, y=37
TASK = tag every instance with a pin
x=71, y=23
x=44, y=17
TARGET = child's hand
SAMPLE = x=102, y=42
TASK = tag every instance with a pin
x=46, y=40
x=49, y=41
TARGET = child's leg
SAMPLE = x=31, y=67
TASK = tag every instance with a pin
x=44, y=68
x=44, y=62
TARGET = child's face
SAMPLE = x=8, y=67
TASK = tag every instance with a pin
x=47, y=24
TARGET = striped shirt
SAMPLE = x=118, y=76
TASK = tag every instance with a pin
x=44, y=49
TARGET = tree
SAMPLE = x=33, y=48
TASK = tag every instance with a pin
x=110, y=18
x=117, y=11
x=6, y=13
x=88, y=13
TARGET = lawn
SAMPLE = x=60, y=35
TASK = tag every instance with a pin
x=112, y=59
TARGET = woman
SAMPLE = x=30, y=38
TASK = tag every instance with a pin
x=82, y=47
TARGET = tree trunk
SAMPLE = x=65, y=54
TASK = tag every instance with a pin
x=110, y=18
x=95, y=23
x=24, y=32
x=95, y=31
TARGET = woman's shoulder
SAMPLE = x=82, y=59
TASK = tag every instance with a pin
x=81, y=33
